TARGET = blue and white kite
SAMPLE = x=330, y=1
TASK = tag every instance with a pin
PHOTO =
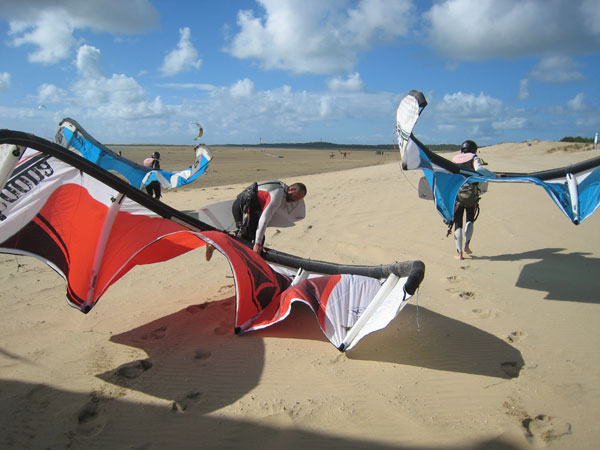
x=575, y=189
x=72, y=136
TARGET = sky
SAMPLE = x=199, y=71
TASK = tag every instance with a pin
x=272, y=71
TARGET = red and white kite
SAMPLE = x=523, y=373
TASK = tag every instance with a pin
x=92, y=228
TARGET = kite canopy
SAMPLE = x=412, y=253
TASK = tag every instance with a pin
x=72, y=136
x=575, y=189
x=92, y=227
x=200, y=130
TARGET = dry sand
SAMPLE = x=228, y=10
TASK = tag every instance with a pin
x=496, y=351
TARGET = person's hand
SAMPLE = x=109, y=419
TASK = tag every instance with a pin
x=258, y=248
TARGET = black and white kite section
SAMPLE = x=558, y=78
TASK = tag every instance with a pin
x=575, y=189
x=92, y=227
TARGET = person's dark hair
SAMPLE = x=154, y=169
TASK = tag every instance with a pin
x=468, y=147
x=300, y=187
x=156, y=155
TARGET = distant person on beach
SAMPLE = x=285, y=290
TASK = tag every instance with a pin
x=256, y=205
x=153, y=189
x=467, y=199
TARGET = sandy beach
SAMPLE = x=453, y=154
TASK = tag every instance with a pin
x=496, y=351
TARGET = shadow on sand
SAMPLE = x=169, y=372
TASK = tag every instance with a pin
x=195, y=359
x=440, y=343
x=197, y=366
x=569, y=277
x=45, y=417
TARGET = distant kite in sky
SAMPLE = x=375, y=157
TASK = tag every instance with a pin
x=200, y=130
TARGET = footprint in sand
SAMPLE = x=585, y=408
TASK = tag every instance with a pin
x=511, y=368
x=221, y=331
x=202, y=354
x=452, y=278
x=484, y=313
x=463, y=295
x=227, y=305
x=134, y=369
x=159, y=333
x=91, y=420
x=226, y=287
x=545, y=428
x=183, y=404
x=193, y=309
x=516, y=336
x=223, y=328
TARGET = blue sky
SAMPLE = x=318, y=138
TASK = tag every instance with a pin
x=140, y=71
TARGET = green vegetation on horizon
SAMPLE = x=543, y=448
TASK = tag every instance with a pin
x=577, y=139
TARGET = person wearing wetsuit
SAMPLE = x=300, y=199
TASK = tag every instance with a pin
x=467, y=159
x=254, y=208
x=153, y=189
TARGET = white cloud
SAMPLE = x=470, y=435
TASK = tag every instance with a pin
x=48, y=93
x=445, y=127
x=523, y=93
x=197, y=86
x=379, y=18
x=88, y=62
x=556, y=69
x=512, y=123
x=590, y=12
x=315, y=36
x=577, y=103
x=119, y=96
x=284, y=114
x=470, y=105
x=478, y=116
x=353, y=83
x=183, y=58
x=49, y=26
x=242, y=88
x=473, y=30
x=50, y=34
x=4, y=81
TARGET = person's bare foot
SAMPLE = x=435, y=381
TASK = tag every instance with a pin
x=468, y=250
x=209, y=251
x=459, y=256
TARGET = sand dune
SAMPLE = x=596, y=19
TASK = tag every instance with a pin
x=496, y=351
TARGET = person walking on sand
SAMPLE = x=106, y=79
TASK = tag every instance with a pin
x=256, y=205
x=153, y=188
x=467, y=199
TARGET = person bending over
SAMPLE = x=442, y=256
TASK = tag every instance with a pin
x=254, y=208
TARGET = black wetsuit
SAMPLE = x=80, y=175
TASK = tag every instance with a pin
x=153, y=188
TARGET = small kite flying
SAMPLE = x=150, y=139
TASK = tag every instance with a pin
x=200, y=130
